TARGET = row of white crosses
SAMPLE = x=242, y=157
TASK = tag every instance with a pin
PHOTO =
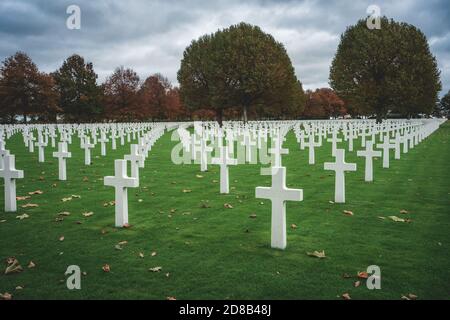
x=278, y=193
x=121, y=181
x=47, y=133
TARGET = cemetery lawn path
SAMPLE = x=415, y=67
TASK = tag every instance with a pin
x=206, y=251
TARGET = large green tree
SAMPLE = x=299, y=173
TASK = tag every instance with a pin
x=240, y=66
x=387, y=69
x=445, y=104
x=24, y=91
x=79, y=93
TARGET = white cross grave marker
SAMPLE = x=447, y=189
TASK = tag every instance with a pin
x=369, y=154
x=10, y=174
x=136, y=160
x=120, y=181
x=62, y=154
x=339, y=167
x=224, y=161
x=279, y=194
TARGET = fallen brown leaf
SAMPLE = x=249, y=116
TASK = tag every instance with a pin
x=141, y=254
x=346, y=296
x=404, y=211
x=409, y=296
x=187, y=190
x=317, y=254
x=13, y=266
x=22, y=216
x=363, y=275
x=36, y=192
x=5, y=296
x=171, y=298
x=31, y=265
x=106, y=268
x=61, y=238
x=155, y=269
x=154, y=253
x=357, y=284
x=65, y=214
x=30, y=205
x=228, y=206
x=294, y=226
x=88, y=214
x=348, y=213
x=23, y=198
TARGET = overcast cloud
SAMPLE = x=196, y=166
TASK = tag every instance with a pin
x=151, y=35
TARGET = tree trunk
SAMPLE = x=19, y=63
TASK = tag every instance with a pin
x=245, y=114
x=219, y=114
x=379, y=118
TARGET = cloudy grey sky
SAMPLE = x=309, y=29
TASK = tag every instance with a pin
x=151, y=35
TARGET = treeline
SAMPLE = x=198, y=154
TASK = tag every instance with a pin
x=237, y=73
x=72, y=94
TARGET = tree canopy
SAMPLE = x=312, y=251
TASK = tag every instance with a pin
x=76, y=83
x=390, y=69
x=239, y=67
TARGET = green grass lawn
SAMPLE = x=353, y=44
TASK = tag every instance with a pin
x=219, y=253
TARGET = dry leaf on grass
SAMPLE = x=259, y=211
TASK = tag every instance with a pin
x=199, y=176
x=30, y=205
x=171, y=298
x=65, y=214
x=5, y=296
x=357, y=284
x=317, y=254
x=31, y=265
x=346, y=296
x=88, y=214
x=363, y=275
x=228, y=206
x=187, y=190
x=155, y=269
x=23, y=198
x=13, y=266
x=409, y=296
x=122, y=243
x=106, y=268
x=22, y=216
x=404, y=211
x=154, y=253
x=348, y=213
x=36, y=192
x=74, y=196
x=397, y=219
x=118, y=247
x=66, y=199
x=294, y=226
x=2, y=221
x=61, y=238
x=141, y=254
x=253, y=216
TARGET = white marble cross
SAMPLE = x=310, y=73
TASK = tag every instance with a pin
x=277, y=150
x=278, y=194
x=103, y=140
x=3, y=153
x=41, y=148
x=87, y=146
x=339, y=167
x=136, y=160
x=311, y=144
x=204, y=151
x=397, y=143
x=386, y=145
x=62, y=154
x=334, y=140
x=9, y=175
x=369, y=154
x=120, y=181
x=224, y=161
